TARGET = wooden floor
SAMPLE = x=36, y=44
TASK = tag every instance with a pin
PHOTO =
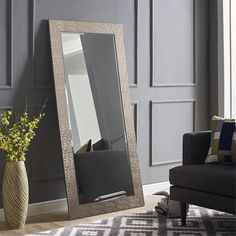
x=60, y=219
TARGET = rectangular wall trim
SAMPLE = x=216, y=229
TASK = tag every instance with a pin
x=135, y=107
x=9, y=57
x=152, y=103
x=136, y=16
x=152, y=56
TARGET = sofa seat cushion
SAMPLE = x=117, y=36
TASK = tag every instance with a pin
x=211, y=178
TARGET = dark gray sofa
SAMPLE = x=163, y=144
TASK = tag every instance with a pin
x=209, y=185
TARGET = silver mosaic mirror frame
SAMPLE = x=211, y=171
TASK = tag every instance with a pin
x=75, y=209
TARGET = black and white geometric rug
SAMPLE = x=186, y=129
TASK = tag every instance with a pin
x=200, y=222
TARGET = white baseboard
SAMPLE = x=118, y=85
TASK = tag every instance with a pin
x=41, y=208
x=53, y=206
x=149, y=189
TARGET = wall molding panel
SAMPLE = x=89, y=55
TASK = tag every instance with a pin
x=8, y=57
x=154, y=40
x=135, y=110
x=153, y=104
x=136, y=36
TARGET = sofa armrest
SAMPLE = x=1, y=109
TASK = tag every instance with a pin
x=195, y=147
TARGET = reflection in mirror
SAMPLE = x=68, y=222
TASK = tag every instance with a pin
x=96, y=117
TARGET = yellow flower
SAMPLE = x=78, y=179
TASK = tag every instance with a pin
x=15, y=140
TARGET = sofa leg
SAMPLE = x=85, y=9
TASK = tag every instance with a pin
x=183, y=212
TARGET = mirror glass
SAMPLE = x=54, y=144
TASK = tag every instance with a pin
x=96, y=117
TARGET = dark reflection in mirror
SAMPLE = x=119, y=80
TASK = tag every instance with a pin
x=96, y=118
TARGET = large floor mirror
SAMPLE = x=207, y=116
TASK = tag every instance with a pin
x=95, y=118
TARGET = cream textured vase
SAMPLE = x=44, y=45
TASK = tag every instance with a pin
x=15, y=194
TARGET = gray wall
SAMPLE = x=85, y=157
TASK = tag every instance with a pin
x=167, y=52
x=172, y=93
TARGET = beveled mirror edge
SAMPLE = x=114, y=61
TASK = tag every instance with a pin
x=75, y=209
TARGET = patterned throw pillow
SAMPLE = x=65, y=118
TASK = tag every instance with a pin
x=221, y=140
